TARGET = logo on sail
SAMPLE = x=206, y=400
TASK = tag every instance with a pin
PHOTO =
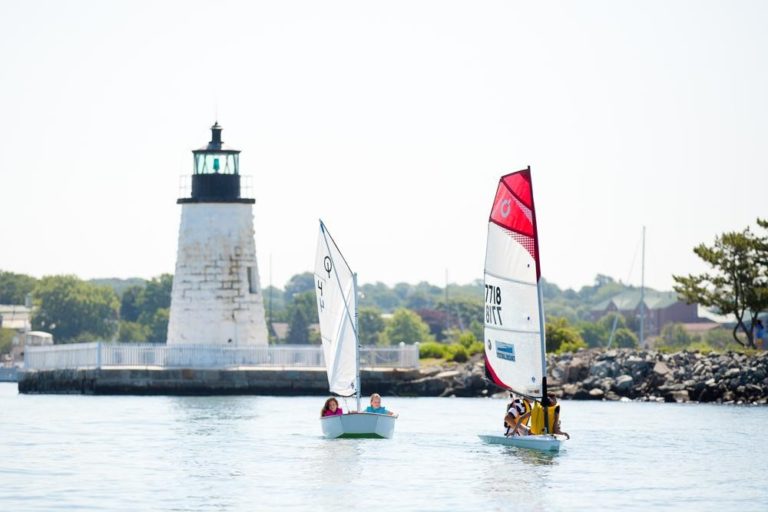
x=506, y=207
x=505, y=351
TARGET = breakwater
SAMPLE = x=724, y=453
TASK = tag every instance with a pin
x=620, y=374
x=192, y=381
x=627, y=374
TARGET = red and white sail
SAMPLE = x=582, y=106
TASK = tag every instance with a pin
x=336, y=307
x=514, y=342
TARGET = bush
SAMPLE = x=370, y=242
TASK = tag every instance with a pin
x=476, y=348
x=466, y=339
x=457, y=352
x=432, y=349
x=571, y=346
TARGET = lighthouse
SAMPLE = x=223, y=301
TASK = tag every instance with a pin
x=216, y=297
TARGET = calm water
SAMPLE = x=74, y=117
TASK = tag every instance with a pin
x=266, y=453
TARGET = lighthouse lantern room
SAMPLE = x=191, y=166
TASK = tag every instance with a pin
x=216, y=297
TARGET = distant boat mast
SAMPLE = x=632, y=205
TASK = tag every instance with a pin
x=642, y=294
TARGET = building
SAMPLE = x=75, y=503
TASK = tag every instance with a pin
x=660, y=309
x=216, y=297
x=15, y=317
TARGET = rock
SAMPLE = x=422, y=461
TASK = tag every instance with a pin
x=576, y=371
x=596, y=393
x=570, y=389
x=623, y=384
x=661, y=369
x=677, y=396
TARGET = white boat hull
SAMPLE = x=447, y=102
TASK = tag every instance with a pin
x=547, y=443
x=359, y=425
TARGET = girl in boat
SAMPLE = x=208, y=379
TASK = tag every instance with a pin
x=331, y=408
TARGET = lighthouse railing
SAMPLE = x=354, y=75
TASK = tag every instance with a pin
x=132, y=355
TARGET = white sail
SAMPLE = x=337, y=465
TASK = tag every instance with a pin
x=514, y=347
x=336, y=307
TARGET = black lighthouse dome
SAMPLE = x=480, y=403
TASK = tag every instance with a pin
x=216, y=176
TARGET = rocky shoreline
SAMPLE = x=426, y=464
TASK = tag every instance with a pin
x=619, y=374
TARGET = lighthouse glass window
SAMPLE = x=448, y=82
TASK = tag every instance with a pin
x=216, y=163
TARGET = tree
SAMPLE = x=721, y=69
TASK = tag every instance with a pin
x=131, y=332
x=436, y=320
x=624, y=338
x=130, y=303
x=298, y=327
x=158, y=326
x=14, y=288
x=561, y=336
x=405, y=326
x=594, y=334
x=301, y=313
x=369, y=325
x=300, y=283
x=674, y=335
x=737, y=283
x=72, y=309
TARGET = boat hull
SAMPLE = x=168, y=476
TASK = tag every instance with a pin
x=360, y=425
x=547, y=443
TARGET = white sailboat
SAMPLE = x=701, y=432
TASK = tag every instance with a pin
x=336, y=291
x=514, y=336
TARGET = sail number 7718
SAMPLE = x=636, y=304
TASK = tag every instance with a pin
x=492, y=305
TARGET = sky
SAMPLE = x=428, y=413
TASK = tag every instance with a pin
x=391, y=121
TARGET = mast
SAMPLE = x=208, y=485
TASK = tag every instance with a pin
x=357, y=343
x=642, y=295
x=540, y=298
x=542, y=337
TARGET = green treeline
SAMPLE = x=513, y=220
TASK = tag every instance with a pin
x=448, y=322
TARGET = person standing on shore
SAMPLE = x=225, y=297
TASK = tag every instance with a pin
x=759, y=334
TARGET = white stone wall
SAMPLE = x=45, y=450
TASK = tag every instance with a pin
x=211, y=301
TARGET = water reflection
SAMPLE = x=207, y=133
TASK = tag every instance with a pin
x=532, y=457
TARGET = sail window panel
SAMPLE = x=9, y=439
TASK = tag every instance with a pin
x=508, y=257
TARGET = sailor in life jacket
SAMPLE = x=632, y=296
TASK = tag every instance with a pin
x=518, y=413
x=553, y=418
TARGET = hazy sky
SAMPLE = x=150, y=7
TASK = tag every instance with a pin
x=392, y=121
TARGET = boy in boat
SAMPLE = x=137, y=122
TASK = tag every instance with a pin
x=376, y=407
x=518, y=412
x=553, y=418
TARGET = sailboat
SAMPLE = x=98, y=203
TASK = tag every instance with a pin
x=514, y=335
x=336, y=291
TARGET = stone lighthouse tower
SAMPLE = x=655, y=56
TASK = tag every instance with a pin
x=216, y=297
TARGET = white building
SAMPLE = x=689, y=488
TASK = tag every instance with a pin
x=216, y=297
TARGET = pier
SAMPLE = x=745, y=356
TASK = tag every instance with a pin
x=101, y=368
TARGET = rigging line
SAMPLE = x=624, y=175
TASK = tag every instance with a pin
x=629, y=275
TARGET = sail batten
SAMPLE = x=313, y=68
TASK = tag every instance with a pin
x=514, y=347
x=336, y=308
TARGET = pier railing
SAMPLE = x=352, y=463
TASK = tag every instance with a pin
x=111, y=355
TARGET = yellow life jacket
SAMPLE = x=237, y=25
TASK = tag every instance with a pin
x=537, y=418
